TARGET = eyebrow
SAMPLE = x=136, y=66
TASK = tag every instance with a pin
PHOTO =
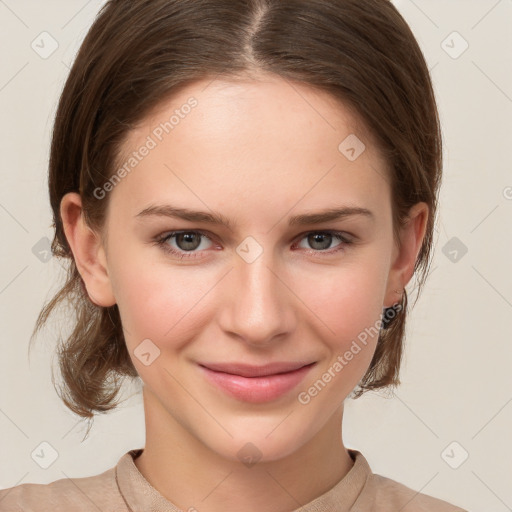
x=213, y=218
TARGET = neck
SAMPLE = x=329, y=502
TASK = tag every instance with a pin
x=192, y=476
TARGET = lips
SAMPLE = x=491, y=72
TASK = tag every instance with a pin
x=245, y=370
x=256, y=384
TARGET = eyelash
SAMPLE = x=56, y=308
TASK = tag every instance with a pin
x=162, y=242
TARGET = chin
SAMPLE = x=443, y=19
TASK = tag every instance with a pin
x=257, y=445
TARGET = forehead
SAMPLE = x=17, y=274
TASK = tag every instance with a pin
x=262, y=106
x=275, y=101
x=268, y=140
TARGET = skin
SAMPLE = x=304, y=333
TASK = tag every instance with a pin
x=257, y=151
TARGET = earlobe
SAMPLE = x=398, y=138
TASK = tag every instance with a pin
x=88, y=251
x=411, y=236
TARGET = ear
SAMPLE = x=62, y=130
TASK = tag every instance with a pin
x=88, y=251
x=404, y=258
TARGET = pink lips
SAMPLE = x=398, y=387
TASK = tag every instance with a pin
x=256, y=384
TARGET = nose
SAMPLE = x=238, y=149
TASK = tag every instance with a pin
x=258, y=305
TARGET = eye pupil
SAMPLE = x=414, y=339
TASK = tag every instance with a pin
x=317, y=238
x=188, y=240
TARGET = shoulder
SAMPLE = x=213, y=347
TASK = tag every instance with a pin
x=388, y=495
x=99, y=492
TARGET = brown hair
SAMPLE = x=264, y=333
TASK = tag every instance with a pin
x=140, y=52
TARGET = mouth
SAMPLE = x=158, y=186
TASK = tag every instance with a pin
x=256, y=384
x=245, y=370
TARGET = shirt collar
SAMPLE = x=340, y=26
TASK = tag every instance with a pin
x=141, y=496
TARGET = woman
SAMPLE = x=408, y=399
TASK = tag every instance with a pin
x=242, y=189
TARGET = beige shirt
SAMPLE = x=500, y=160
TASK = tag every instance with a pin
x=124, y=489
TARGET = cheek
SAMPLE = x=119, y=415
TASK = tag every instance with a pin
x=347, y=307
x=346, y=300
x=157, y=302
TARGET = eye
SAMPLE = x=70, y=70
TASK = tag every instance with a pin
x=321, y=241
x=188, y=243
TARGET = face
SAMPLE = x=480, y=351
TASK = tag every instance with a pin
x=271, y=283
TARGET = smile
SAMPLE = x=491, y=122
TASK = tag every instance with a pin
x=256, y=389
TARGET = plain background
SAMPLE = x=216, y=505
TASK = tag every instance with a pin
x=456, y=392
